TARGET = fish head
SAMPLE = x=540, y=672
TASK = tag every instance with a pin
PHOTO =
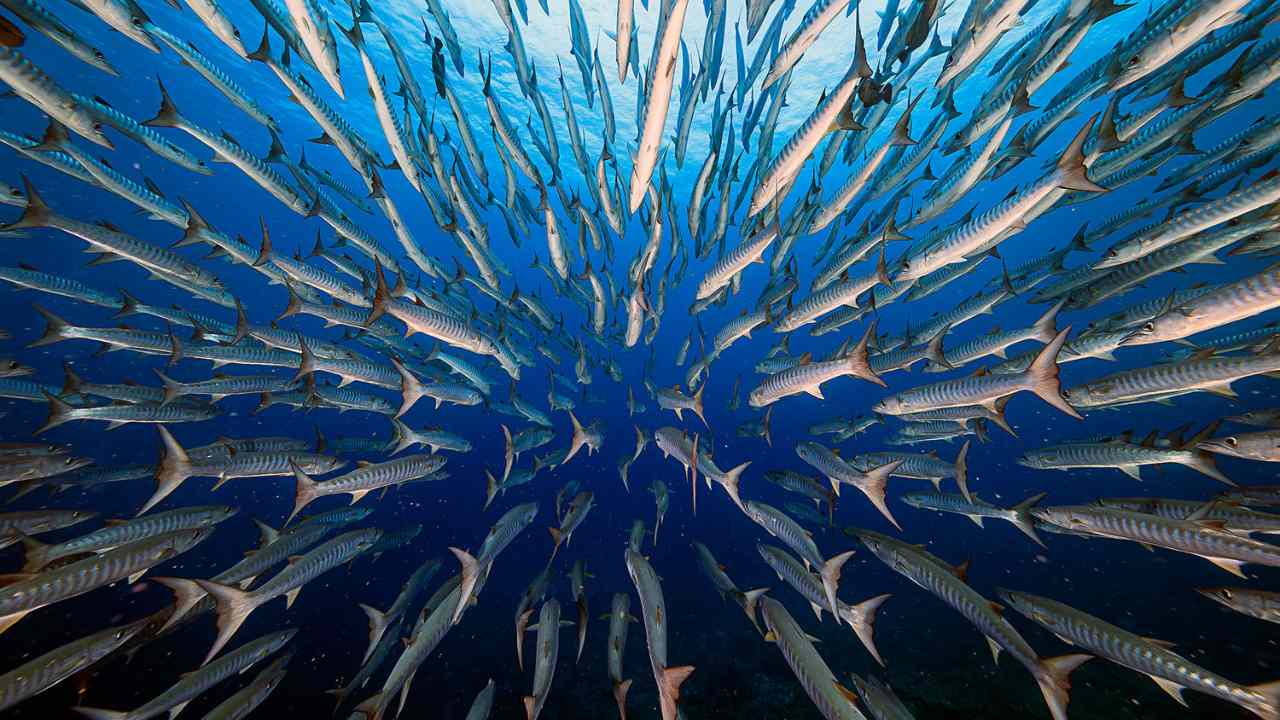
x=891, y=405
x=1229, y=445
x=1119, y=254
x=1224, y=595
x=1027, y=605
x=1065, y=516
x=915, y=500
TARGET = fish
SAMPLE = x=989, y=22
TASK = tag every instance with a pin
x=833, y=700
x=1170, y=671
x=653, y=610
x=934, y=575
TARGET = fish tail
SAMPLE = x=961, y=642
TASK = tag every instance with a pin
x=292, y=308
x=620, y=696
x=167, y=115
x=410, y=388
x=380, y=297
x=186, y=593
x=1022, y=517
x=36, y=554
x=508, y=455
x=71, y=382
x=862, y=618
x=768, y=433
x=263, y=53
x=371, y=709
x=731, y=481
x=997, y=416
x=55, y=138
x=59, y=413
x=934, y=352
x=1041, y=377
x=35, y=214
x=672, y=679
x=173, y=469
x=304, y=492
x=490, y=488
x=1269, y=706
x=172, y=389
x=873, y=485
x=378, y=622
x=233, y=605
x=1072, y=172
x=1047, y=326
x=1054, y=683
x=401, y=436
x=307, y=365
x=962, y=471
x=54, y=328
x=751, y=600
x=831, y=578
x=470, y=576
x=859, y=359
x=1202, y=461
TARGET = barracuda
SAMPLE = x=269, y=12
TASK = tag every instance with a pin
x=1153, y=658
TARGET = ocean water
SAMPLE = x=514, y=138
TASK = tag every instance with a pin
x=936, y=661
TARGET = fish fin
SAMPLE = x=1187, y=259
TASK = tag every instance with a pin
x=1041, y=377
x=1053, y=678
x=995, y=650
x=1231, y=566
x=1131, y=471
x=233, y=605
x=1172, y=689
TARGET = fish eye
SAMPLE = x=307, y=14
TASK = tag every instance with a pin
x=1112, y=253
x=1232, y=442
x=98, y=54
x=235, y=32
x=1225, y=593
x=97, y=127
x=1149, y=327
x=1133, y=61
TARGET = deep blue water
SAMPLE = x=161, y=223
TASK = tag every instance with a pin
x=936, y=661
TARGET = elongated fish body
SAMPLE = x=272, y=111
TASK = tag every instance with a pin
x=1221, y=548
x=1189, y=222
x=653, y=608
x=881, y=701
x=128, y=561
x=1233, y=518
x=196, y=683
x=1171, y=35
x=1121, y=455
x=750, y=250
x=215, y=18
x=932, y=574
x=1261, y=604
x=1263, y=446
x=656, y=103
x=619, y=623
x=831, y=113
x=838, y=472
x=248, y=698
x=1225, y=304
x=811, y=26
x=392, y=128
x=779, y=525
x=313, y=28
x=976, y=509
x=808, y=377
x=365, y=479
x=501, y=534
x=860, y=617
x=40, y=18
x=35, y=522
x=1040, y=378
x=191, y=518
x=547, y=653
x=1213, y=374
x=832, y=699
x=1169, y=670
x=44, y=672
x=235, y=605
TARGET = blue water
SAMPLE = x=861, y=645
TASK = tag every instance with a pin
x=936, y=661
